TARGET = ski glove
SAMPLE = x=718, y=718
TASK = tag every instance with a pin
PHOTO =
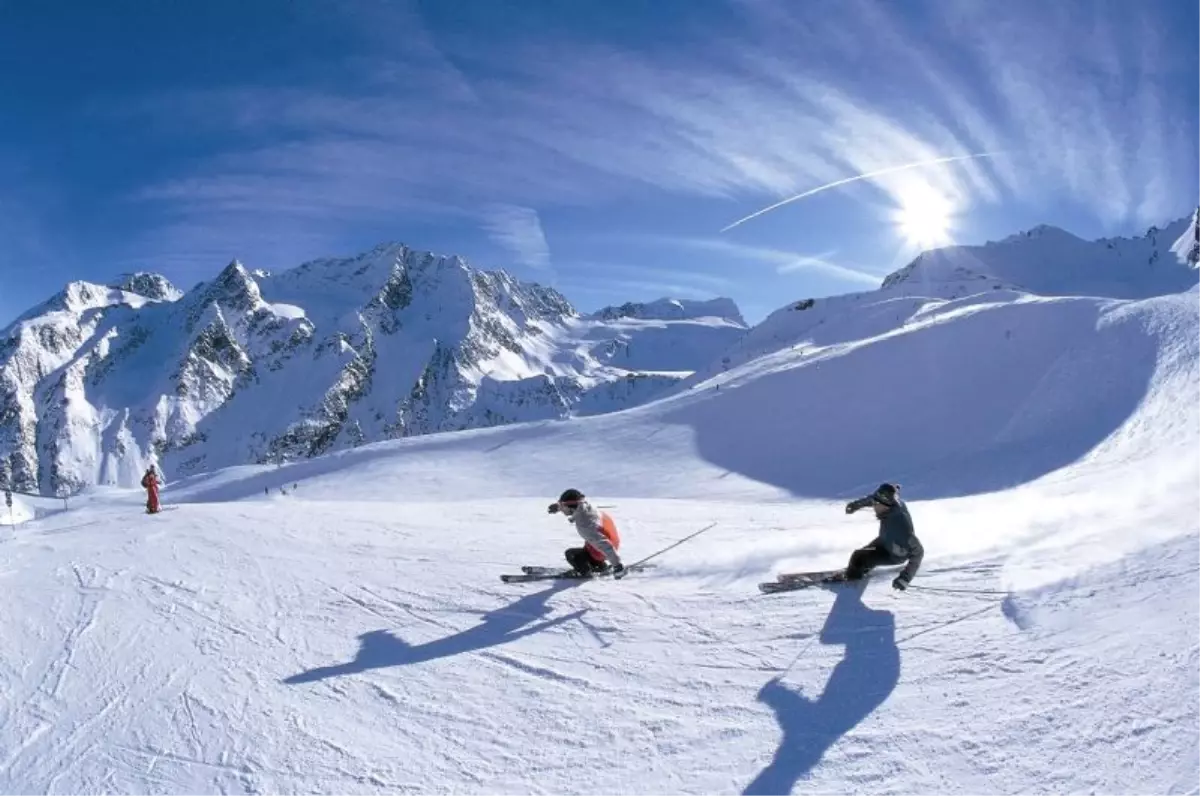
x=618, y=571
x=553, y=508
x=901, y=581
x=850, y=508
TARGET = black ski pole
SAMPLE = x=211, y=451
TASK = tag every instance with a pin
x=676, y=544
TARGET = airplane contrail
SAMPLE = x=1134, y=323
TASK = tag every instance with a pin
x=855, y=178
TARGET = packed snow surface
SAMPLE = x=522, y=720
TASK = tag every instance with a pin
x=338, y=625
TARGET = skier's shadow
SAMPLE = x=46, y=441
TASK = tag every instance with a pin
x=860, y=682
x=379, y=648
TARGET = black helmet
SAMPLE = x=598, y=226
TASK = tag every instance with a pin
x=886, y=494
x=571, y=497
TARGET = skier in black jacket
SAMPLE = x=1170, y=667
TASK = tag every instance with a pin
x=896, y=543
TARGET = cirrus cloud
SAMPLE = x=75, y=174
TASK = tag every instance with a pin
x=1081, y=97
x=519, y=230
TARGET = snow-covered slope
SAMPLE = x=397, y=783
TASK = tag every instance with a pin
x=336, y=625
x=670, y=334
x=1042, y=263
x=1052, y=262
x=973, y=396
x=255, y=367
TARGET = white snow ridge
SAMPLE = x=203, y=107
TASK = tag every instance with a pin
x=337, y=623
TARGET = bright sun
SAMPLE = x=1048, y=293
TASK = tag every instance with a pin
x=924, y=218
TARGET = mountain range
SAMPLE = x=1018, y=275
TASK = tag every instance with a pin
x=101, y=380
x=257, y=367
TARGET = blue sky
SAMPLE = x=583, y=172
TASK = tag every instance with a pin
x=606, y=147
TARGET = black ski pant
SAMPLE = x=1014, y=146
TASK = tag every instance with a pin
x=582, y=561
x=865, y=559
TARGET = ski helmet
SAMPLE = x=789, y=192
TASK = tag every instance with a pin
x=886, y=494
x=571, y=497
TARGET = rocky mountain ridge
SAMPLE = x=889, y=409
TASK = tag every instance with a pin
x=254, y=367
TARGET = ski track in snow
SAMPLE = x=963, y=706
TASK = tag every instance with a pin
x=272, y=658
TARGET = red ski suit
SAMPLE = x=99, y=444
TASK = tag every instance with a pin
x=150, y=484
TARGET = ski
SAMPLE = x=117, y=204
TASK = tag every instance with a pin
x=534, y=570
x=533, y=573
x=527, y=577
x=541, y=570
x=789, y=577
x=802, y=580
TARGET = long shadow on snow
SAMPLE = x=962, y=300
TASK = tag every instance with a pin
x=379, y=648
x=861, y=682
x=975, y=404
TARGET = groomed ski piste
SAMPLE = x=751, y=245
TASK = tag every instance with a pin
x=339, y=625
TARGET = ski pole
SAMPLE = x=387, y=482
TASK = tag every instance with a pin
x=956, y=591
x=676, y=544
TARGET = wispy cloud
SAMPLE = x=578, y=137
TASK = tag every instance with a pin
x=612, y=290
x=681, y=282
x=870, y=175
x=602, y=283
x=519, y=230
x=782, y=261
x=774, y=109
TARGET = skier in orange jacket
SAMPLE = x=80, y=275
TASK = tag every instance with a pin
x=600, y=538
x=150, y=484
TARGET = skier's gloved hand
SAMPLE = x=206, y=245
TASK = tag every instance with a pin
x=618, y=571
x=901, y=581
x=552, y=508
x=850, y=508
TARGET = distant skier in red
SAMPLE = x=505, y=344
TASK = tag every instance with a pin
x=150, y=484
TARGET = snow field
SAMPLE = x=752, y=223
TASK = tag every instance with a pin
x=313, y=646
x=352, y=635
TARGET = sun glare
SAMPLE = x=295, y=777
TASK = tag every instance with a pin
x=924, y=218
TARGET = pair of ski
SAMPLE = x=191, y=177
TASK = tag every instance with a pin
x=791, y=581
x=529, y=574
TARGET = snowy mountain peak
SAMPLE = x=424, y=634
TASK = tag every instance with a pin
x=1186, y=247
x=75, y=299
x=152, y=286
x=235, y=285
x=253, y=366
x=1050, y=261
x=80, y=296
x=1041, y=232
x=364, y=266
x=529, y=300
x=233, y=288
x=671, y=309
